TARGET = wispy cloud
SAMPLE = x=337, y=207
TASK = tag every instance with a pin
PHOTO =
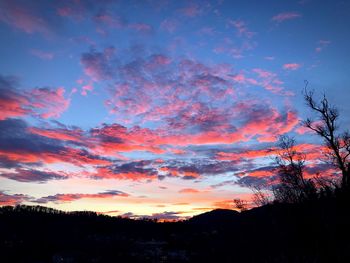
x=282, y=17
x=291, y=66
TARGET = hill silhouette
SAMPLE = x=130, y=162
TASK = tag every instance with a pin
x=315, y=231
x=217, y=216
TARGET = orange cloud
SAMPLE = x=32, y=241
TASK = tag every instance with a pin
x=189, y=191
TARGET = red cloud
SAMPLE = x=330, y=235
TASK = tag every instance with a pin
x=43, y=102
x=12, y=107
x=16, y=199
x=74, y=135
x=291, y=66
x=189, y=191
x=67, y=155
x=281, y=17
x=50, y=102
x=126, y=173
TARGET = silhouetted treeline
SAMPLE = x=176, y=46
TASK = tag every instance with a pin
x=313, y=231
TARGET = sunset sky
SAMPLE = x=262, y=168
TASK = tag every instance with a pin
x=160, y=108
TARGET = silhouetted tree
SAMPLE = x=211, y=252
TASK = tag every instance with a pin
x=261, y=197
x=327, y=128
x=293, y=187
x=240, y=204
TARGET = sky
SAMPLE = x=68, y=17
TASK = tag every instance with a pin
x=161, y=108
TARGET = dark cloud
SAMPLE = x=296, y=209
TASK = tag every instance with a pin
x=61, y=198
x=31, y=175
x=15, y=199
x=164, y=216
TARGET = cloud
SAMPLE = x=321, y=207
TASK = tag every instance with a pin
x=97, y=65
x=15, y=199
x=137, y=170
x=241, y=27
x=163, y=216
x=19, y=145
x=189, y=191
x=196, y=168
x=31, y=175
x=103, y=19
x=281, y=17
x=48, y=102
x=236, y=49
x=42, y=102
x=269, y=81
x=74, y=134
x=27, y=17
x=291, y=66
x=62, y=198
x=245, y=154
x=12, y=103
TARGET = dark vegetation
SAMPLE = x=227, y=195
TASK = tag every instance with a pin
x=315, y=231
x=306, y=220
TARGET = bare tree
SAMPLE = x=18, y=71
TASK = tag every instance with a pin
x=327, y=128
x=240, y=204
x=261, y=196
x=293, y=186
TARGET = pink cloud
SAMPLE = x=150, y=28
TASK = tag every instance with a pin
x=13, y=106
x=291, y=66
x=12, y=199
x=97, y=65
x=49, y=103
x=241, y=28
x=303, y=130
x=281, y=17
x=86, y=88
x=270, y=81
x=64, y=134
x=43, y=102
x=23, y=17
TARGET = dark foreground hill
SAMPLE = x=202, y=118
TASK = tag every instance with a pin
x=311, y=232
